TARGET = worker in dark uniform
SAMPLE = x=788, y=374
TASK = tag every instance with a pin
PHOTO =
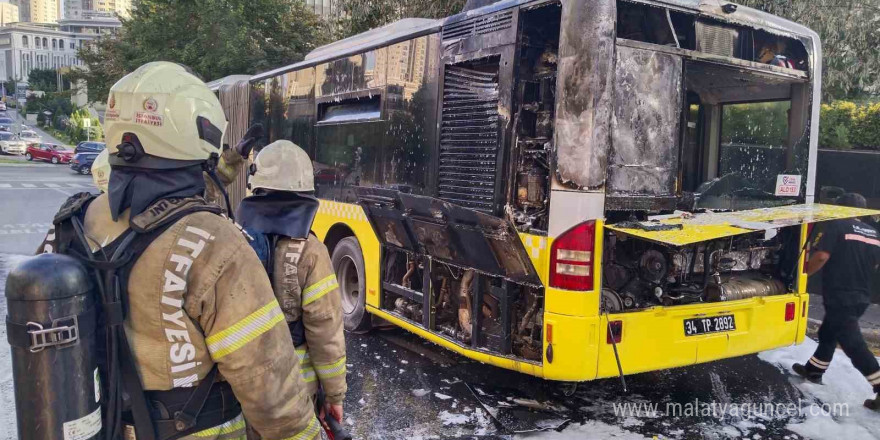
x=849, y=252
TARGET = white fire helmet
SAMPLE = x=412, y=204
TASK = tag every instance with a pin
x=101, y=170
x=282, y=166
x=160, y=117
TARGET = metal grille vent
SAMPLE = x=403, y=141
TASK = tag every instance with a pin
x=469, y=138
x=478, y=26
x=717, y=40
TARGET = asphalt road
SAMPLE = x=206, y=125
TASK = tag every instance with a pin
x=32, y=194
x=401, y=387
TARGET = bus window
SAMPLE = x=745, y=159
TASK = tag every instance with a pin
x=753, y=138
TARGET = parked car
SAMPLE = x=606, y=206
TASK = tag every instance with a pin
x=89, y=146
x=6, y=123
x=82, y=162
x=49, y=152
x=11, y=144
x=30, y=137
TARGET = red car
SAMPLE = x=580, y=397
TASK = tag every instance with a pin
x=49, y=152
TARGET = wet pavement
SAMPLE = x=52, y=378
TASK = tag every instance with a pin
x=401, y=387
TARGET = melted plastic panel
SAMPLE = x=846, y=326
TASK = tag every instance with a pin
x=645, y=124
x=584, y=92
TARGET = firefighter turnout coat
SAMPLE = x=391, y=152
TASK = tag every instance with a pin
x=307, y=290
x=198, y=296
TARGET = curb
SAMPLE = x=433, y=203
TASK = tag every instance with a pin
x=27, y=165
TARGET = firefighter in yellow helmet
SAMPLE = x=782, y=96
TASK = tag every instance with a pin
x=201, y=338
x=101, y=170
x=279, y=217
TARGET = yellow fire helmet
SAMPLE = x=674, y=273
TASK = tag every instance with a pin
x=161, y=117
x=101, y=170
x=282, y=166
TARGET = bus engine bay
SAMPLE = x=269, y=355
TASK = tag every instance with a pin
x=638, y=274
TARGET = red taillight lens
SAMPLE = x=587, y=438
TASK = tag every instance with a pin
x=615, y=332
x=789, y=312
x=571, y=258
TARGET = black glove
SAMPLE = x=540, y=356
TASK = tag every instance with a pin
x=250, y=138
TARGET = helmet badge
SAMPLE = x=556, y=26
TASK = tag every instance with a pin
x=150, y=105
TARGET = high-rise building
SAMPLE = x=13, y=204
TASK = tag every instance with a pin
x=101, y=9
x=8, y=13
x=38, y=11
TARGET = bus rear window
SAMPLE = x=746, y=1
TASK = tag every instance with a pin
x=753, y=142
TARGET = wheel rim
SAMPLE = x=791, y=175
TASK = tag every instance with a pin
x=349, y=284
x=54, y=160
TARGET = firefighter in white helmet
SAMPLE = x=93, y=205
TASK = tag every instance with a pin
x=101, y=170
x=279, y=217
x=201, y=325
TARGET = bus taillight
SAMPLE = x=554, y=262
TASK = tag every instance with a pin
x=571, y=258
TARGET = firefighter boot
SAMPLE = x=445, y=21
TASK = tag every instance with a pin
x=808, y=373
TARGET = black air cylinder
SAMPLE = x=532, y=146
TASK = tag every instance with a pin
x=51, y=331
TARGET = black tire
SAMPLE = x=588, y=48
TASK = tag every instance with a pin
x=55, y=160
x=28, y=156
x=348, y=264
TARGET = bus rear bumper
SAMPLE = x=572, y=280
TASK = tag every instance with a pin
x=654, y=339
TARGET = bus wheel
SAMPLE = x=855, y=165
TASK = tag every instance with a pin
x=348, y=263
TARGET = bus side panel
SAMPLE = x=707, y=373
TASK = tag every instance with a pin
x=352, y=216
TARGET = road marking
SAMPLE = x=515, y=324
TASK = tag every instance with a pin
x=74, y=185
x=5, y=185
x=51, y=185
x=28, y=185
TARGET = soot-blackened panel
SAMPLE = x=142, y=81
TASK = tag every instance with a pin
x=645, y=123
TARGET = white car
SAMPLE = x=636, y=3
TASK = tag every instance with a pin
x=30, y=137
x=11, y=144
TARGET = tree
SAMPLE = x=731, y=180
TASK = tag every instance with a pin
x=43, y=79
x=214, y=38
x=362, y=15
x=850, y=37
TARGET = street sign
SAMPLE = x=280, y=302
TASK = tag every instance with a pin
x=87, y=123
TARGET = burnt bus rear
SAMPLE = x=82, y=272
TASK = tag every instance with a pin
x=533, y=182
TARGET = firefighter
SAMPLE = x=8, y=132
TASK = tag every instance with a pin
x=101, y=170
x=849, y=252
x=200, y=313
x=280, y=214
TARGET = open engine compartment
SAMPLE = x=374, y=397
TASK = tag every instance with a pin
x=639, y=274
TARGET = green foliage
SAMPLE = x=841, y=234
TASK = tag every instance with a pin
x=846, y=125
x=836, y=125
x=57, y=103
x=76, y=130
x=43, y=79
x=850, y=37
x=214, y=38
x=762, y=123
x=362, y=15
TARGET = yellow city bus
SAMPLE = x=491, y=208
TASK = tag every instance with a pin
x=572, y=189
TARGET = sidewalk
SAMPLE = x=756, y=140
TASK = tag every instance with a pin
x=870, y=322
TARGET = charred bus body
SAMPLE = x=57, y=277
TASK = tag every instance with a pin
x=516, y=182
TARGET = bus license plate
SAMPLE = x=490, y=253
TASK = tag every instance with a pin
x=713, y=324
